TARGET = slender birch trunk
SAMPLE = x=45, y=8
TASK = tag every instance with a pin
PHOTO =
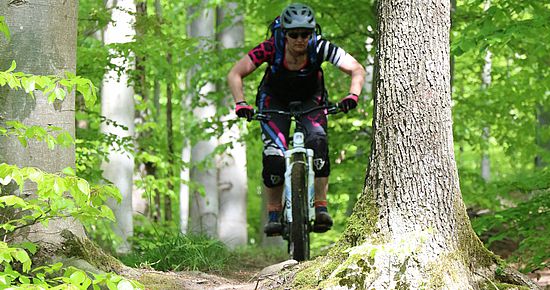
x=232, y=223
x=117, y=104
x=204, y=203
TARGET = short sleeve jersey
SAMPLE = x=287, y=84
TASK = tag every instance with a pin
x=265, y=52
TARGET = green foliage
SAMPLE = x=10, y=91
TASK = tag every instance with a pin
x=55, y=195
x=51, y=201
x=54, y=87
x=508, y=109
x=527, y=223
x=4, y=28
x=54, y=276
x=23, y=133
x=166, y=249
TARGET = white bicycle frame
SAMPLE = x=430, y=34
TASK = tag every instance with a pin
x=298, y=147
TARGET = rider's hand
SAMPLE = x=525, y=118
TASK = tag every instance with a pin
x=348, y=103
x=244, y=110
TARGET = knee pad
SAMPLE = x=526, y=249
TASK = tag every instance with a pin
x=321, y=162
x=273, y=172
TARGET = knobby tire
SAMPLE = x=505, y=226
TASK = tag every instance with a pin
x=299, y=228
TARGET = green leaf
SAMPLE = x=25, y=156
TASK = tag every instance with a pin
x=12, y=200
x=78, y=277
x=60, y=94
x=12, y=67
x=50, y=140
x=69, y=171
x=22, y=140
x=28, y=84
x=31, y=247
x=22, y=256
x=65, y=139
x=4, y=28
x=107, y=212
x=83, y=186
x=24, y=279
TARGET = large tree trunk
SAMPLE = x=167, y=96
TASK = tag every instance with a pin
x=43, y=42
x=204, y=204
x=117, y=104
x=409, y=229
x=232, y=223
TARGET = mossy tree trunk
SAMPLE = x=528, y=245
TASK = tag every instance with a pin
x=409, y=229
x=43, y=42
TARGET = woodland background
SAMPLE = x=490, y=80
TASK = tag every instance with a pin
x=176, y=60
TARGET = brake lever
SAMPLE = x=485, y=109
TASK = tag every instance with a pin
x=262, y=117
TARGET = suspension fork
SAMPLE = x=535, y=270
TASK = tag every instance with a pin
x=298, y=148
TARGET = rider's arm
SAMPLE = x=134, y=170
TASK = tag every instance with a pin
x=352, y=67
x=241, y=69
x=246, y=65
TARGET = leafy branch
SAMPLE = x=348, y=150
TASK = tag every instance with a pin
x=53, y=87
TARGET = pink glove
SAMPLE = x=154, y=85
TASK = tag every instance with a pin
x=348, y=103
x=244, y=110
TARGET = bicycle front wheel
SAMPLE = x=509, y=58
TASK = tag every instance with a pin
x=299, y=228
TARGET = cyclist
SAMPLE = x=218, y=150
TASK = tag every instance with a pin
x=294, y=74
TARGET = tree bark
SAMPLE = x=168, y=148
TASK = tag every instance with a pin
x=232, y=177
x=409, y=229
x=43, y=42
x=204, y=204
x=117, y=104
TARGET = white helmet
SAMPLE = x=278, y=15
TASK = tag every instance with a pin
x=297, y=16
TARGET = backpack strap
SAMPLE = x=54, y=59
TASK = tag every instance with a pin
x=279, y=39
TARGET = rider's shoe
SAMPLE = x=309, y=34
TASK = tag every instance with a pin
x=273, y=226
x=323, y=221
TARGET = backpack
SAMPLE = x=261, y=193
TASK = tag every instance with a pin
x=279, y=39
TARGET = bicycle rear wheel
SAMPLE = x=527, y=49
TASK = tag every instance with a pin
x=299, y=228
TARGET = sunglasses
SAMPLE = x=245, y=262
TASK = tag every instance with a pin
x=303, y=35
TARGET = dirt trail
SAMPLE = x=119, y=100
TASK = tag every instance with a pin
x=189, y=280
x=244, y=280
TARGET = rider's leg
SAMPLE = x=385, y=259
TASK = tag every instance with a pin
x=315, y=124
x=273, y=175
x=274, y=198
x=321, y=189
x=274, y=136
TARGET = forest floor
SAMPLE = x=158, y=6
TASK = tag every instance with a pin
x=246, y=278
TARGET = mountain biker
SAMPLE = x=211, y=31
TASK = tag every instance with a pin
x=297, y=77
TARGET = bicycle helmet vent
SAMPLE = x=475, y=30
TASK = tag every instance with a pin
x=297, y=16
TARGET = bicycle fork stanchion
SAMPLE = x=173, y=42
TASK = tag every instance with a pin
x=310, y=185
x=298, y=140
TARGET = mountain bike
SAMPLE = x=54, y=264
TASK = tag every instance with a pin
x=299, y=195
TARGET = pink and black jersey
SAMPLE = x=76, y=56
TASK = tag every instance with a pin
x=326, y=51
x=297, y=85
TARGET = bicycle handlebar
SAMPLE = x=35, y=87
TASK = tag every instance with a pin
x=264, y=115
